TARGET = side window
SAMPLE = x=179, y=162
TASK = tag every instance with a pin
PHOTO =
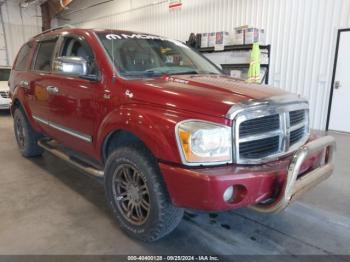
x=43, y=59
x=78, y=47
x=22, y=58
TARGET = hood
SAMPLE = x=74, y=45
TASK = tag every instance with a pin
x=208, y=94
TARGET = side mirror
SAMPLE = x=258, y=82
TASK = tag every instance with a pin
x=70, y=65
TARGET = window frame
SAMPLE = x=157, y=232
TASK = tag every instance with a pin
x=38, y=43
x=60, y=46
x=116, y=70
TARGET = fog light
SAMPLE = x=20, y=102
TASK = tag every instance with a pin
x=228, y=194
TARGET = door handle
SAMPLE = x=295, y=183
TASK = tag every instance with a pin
x=337, y=85
x=52, y=89
x=24, y=84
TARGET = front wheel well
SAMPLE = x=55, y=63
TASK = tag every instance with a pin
x=120, y=138
x=16, y=104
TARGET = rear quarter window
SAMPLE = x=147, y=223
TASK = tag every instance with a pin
x=23, y=57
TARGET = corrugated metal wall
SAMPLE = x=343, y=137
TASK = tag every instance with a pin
x=302, y=33
x=20, y=25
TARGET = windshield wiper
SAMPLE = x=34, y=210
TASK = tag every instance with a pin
x=156, y=73
x=192, y=72
x=151, y=72
x=211, y=73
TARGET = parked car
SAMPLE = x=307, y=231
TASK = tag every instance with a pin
x=162, y=127
x=5, y=99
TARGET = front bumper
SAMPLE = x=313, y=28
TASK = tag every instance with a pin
x=275, y=184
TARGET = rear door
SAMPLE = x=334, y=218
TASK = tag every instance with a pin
x=39, y=79
x=20, y=75
x=72, y=105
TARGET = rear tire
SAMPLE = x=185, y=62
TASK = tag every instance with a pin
x=26, y=137
x=137, y=194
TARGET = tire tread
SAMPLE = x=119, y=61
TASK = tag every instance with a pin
x=169, y=216
x=31, y=149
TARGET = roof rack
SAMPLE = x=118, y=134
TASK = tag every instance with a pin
x=54, y=29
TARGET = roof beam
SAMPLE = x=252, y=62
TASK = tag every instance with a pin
x=52, y=8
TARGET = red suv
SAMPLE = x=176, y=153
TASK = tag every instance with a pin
x=162, y=126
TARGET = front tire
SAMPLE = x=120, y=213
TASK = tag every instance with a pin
x=26, y=136
x=137, y=195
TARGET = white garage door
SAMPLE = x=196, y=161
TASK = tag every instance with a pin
x=340, y=110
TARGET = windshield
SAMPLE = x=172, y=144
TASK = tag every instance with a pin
x=139, y=55
x=4, y=74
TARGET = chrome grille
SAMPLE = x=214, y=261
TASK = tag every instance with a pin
x=268, y=132
x=259, y=148
x=296, y=117
x=4, y=94
x=259, y=125
x=296, y=135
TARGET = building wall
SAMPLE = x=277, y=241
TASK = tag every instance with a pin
x=20, y=26
x=302, y=33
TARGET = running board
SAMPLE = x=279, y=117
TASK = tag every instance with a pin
x=45, y=144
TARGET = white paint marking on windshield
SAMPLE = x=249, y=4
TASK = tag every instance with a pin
x=133, y=36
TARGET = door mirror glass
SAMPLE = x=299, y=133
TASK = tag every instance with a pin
x=70, y=65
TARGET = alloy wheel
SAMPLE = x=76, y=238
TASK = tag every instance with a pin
x=131, y=194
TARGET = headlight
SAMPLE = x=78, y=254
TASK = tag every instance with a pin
x=204, y=143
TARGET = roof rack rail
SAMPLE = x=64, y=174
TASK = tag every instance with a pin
x=54, y=29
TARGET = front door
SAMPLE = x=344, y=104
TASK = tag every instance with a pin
x=340, y=110
x=72, y=100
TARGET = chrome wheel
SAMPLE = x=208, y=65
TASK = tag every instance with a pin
x=131, y=194
x=20, y=134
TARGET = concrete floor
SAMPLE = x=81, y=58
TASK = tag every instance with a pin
x=47, y=207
